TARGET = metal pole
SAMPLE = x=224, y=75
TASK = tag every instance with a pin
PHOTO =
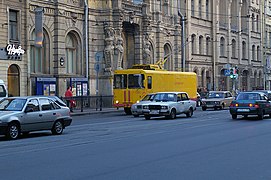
x=86, y=39
x=183, y=38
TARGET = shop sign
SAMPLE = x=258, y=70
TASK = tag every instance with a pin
x=13, y=51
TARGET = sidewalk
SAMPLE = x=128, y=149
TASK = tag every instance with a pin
x=86, y=111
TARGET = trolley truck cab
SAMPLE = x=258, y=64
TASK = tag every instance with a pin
x=131, y=85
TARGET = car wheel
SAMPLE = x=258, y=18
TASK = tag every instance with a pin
x=245, y=116
x=215, y=108
x=234, y=116
x=147, y=117
x=270, y=115
x=136, y=115
x=13, y=131
x=222, y=107
x=204, y=108
x=172, y=114
x=57, y=128
x=190, y=113
x=260, y=115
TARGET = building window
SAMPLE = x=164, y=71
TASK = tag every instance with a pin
x=253, y=52
x=40, y=56
x=13, y=25
x=200, y=45
x=257, y=23
x=199, y=8
x=207, y=9
x=252, y=22
x=222, y=46
x=258, y=53
x=244, y=52
x=73, y=55
x=233, y=45
x=208, y=46
x=193, y=44
x=192, y=8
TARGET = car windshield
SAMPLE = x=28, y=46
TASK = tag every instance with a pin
x=215, y=95
x=165, y=97
x=148, y=97
x=248, y=96
x=12, y=104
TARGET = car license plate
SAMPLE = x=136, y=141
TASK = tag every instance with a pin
x=154, y=112
x=242, y=110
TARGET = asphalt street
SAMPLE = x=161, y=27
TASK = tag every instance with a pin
x=113, y=146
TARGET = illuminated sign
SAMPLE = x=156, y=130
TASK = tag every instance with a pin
x=12, y=50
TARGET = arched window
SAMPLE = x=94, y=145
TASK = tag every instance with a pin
x=40, y=56
x=200, y=11
x=192, y=8
x=244, y=52
x=257, y=23
x=73, y=55
x=208, y=42
x=222, y=46
x=200, y=45
x=207, y=9
x=258, y=53
x=253, y=22
x=168, y=54
x=193, y=44
x=233, y=45
x=253, y=52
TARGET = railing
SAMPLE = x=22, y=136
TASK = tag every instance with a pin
x=90, y=102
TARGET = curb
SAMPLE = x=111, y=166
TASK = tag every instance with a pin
x=94, y=112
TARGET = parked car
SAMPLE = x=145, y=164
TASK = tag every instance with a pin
x=198, y=100
x=33, y=113
x=217, y=99
x=250, y=103
x=266, y=92
x=137, y=107
x=169, y=104
x=58, y=101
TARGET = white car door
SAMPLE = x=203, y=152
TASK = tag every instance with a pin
x=181, y=103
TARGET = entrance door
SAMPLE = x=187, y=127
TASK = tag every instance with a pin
x=13, y=80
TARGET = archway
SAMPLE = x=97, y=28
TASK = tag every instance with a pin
x=14, y=80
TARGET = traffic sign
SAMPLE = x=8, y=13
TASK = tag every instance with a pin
x=227, y=72
x=99, y=56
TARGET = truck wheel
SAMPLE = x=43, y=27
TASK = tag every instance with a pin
x=127, y=111
x=13, y=131
x=189, y=113
x=147, y=117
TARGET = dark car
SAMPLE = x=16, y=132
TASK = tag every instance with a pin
x=266, y=92
x=250, y=103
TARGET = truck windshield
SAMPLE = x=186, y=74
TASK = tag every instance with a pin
x=120, y=81
x=135, y=81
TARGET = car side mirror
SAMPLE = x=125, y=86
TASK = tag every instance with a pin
x=28, y=109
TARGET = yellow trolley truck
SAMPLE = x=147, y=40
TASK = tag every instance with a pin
x=131, y=85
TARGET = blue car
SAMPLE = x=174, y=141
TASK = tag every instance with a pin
x=250, y=103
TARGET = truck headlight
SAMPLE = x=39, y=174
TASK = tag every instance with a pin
x=117, y=102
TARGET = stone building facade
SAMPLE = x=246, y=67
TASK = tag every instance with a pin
x=219, y=34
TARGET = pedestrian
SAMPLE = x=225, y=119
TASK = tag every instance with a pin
x=68, y=95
